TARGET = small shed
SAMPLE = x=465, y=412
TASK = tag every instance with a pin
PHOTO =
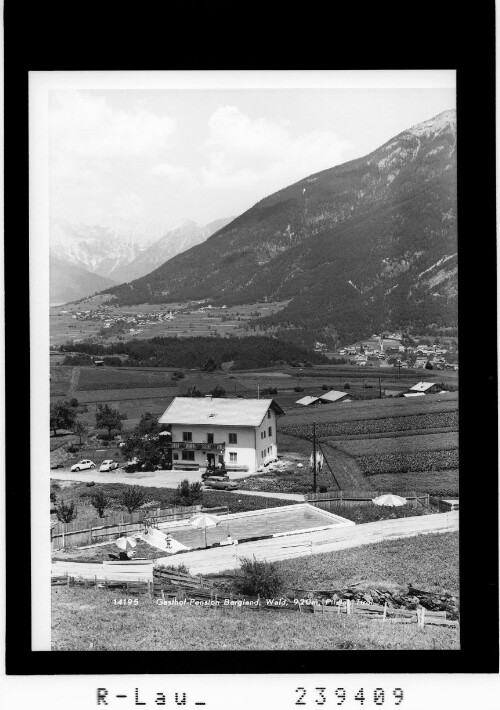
x=305, y=401
x=332, y=396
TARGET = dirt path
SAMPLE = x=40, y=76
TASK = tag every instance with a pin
x=73, y=383
x=345, y=469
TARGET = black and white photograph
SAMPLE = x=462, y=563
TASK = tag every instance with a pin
x=252, y=362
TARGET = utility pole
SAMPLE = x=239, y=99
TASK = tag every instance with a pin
x=379, y=388
x=314, y=457
x=258, y=392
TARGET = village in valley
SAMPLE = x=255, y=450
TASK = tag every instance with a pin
x=243, y=429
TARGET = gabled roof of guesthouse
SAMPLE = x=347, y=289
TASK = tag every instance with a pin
x=219, y=411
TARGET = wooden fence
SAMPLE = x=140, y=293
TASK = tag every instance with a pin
x=96, y=530
x=348, y=499
x=180, y=589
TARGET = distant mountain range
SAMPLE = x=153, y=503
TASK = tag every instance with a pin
x=363, y=246
x=101, y=252
x=168, y=246
x=94, y=248
x=70, y=283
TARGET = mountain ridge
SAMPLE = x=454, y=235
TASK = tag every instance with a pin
x=346, y=245
x=69, y=282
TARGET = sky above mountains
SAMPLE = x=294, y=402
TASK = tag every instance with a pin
x=141, y=160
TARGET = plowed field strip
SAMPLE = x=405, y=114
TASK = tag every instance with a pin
x=393, y=435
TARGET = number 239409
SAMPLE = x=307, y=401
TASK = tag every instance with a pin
x=338, y=696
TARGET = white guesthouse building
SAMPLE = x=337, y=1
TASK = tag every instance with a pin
x=206, y=431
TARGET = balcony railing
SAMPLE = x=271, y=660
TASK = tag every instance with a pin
x=196, y=445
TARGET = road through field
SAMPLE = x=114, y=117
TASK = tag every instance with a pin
x=218, y=559
x=75, y=378
x=345, y=469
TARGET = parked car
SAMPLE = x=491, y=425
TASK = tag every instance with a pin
x=109, y=465
x=82, y=465
x=225, y=484
x=216, y=477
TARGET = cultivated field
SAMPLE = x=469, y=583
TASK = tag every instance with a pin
x=393, y=445
x=187, y=321
x=400, y=444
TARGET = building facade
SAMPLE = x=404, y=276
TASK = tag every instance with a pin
x=206, y=432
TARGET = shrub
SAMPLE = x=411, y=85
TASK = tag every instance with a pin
x=73, y=402
x=90, y=484
x=323, y=489
x=218, y=391
x=100, y=502
x=347, y=386
x=188, y=493
x=182, y=569
x=324, y=387
x=298, y=389
x=66, y=512
x=260, y=577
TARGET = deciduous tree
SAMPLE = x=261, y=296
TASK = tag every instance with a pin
x=133, y=497
x=62, y=416
x=108, y=418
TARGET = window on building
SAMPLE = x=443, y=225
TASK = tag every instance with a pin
x=188, y=455
x=187, y=436
x=270, y=431
x=210, y=438
x=176, y=457
x=233, y=438
x=269, y=414
x=233, y=457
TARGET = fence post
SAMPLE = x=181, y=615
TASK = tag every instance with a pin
x=90, y=531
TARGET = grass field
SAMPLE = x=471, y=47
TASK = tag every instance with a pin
x=437, y=483
x=90, y=620
x=390, y=408
x=100, y=378
x=429, y=562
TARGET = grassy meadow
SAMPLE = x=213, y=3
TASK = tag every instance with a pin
x=90, y=620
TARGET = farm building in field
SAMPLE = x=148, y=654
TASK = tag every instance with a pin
x=426, y=388
x=327, y=398
x=208, y=431
x=308, y=399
